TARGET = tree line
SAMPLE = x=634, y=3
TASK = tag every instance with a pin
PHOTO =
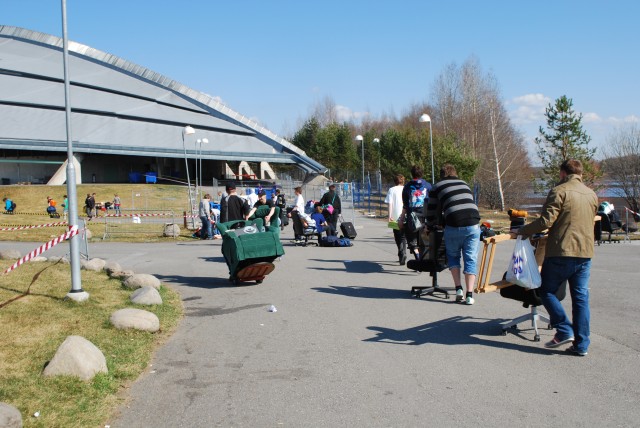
x=470, y=129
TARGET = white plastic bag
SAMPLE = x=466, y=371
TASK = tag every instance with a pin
x=523, y=268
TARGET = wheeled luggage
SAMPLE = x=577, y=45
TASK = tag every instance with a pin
x=348, y=231
x=249, y=248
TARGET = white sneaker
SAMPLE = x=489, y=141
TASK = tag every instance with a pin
x=459, y=295
x=469, y=301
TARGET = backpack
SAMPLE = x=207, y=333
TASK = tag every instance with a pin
x=343, y=242
x=328, y=241
x=280, y=201
x=418, y=194
x=13, y=205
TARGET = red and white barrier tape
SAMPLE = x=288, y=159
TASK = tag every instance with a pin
x=631, y=211
x=44, y=247
x=36, y=226
x=138, y=215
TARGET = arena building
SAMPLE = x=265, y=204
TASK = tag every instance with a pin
x=127, y=124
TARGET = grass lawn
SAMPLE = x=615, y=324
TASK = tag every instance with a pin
x=35, y=325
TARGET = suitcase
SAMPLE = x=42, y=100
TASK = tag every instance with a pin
x=348, y=230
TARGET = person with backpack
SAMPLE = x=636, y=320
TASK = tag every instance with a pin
x=89, y=205
x=332, y=208
x=9, y=205
x=415, y=195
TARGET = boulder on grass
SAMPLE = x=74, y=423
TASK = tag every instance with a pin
x=140, y=280
x=146, y=296
x=121, y=275
x=171, y=230
x=95, y=264
x=10, y=417
x=111, y=267
x=136, y=319
x=77, y=357
x=10, y=254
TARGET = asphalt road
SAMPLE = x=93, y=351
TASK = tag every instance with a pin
x=349, y=347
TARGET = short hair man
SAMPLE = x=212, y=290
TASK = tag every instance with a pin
x=262, y=200
x=394, y=199
x=232, y=207
x=568, y=213
x=453, y=197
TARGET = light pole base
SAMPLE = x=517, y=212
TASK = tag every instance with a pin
x=79, y=296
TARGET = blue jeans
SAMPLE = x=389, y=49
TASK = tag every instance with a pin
x=463, y=240
x=205, y=231
x=576, y=271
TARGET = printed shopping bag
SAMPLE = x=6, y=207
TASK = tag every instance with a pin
x=523, y=268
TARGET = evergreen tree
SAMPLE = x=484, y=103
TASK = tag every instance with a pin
x=564, y=139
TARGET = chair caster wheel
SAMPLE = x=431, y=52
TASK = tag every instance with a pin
x=549, y=327
x=258, y=281
x=536, y=338
x=504, y=332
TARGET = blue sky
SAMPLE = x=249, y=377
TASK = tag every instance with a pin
x=274, y=60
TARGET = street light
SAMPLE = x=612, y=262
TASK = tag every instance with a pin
x=379, y=177
x=201, y=142
x=361, y=139
x=425, y=118
x=188, y=130
x=77, y=294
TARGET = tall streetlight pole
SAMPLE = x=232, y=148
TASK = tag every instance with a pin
x=425, y=118
x=379, y=178
x=188, y=130
x=361, y=139
x=202, y=141
x=76, y=293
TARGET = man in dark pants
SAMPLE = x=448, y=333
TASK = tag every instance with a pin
x=415, y=194
x=332, y=198
x=394, y=199
x=568, y=213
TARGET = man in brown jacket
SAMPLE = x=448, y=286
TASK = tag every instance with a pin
x=568, y=213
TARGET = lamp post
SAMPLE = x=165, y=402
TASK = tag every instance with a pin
x=202, y=141
x=188, y=130
x=361, y=139
x=76, y=293
x=379, y=178
x=425, y=118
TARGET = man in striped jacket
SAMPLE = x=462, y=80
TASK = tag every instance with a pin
x=453, y=199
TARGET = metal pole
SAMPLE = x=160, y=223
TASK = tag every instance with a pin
x=196, y=148
x=362, y=162
x=433, y=176
x=186, y=166
x=76, y=293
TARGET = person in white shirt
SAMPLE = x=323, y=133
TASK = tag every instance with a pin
x=394, y=199
x=251, y=197
x=298, y=206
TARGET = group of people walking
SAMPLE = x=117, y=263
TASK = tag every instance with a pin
x=567, y=215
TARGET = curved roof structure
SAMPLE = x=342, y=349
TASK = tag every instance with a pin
x=118, y=107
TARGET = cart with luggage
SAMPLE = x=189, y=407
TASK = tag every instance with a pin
x=249, y=249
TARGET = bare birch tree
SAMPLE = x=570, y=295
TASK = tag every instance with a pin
x=622, y=163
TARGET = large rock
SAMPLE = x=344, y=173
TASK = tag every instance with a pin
x=111, y=267
x=140, y=280
x=146, y=296
x=136, y=319
x=10, y=254
x=121, y=275
x=94, y=264
x=171, y=230
x=77, y=357
x=10, y=417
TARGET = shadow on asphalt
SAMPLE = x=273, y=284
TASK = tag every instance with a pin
x=458, y=330
x=360, y=266
x=200, y=281
x=365, y=292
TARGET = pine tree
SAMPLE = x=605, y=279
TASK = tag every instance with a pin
x=564, y=139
